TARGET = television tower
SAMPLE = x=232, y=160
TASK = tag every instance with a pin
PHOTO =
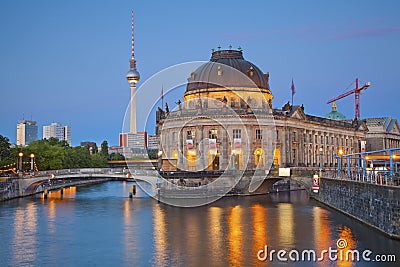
x=133, y=77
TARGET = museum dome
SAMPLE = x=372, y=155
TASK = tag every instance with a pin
x=220, y=71
x=334, y=114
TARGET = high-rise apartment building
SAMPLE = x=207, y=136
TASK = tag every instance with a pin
x=27, y=131
x=57, y=130
x=133, y=140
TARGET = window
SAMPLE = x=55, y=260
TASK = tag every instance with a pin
x=174, y=137
x=322, y=139
x=294, y=156
x=237, y=133
x=277, y=134
x=233, y=102
x=258, y=134
x=294, y=137
x=190, y=134
x=213, y=134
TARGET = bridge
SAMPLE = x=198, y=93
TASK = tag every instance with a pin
x=55, y=179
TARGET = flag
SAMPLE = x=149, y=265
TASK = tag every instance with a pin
x=293, y=88
x=162, y=96
x=189, y=144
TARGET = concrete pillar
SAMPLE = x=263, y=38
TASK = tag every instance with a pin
x=224, y=150
x=133, y=108
x=181, y=149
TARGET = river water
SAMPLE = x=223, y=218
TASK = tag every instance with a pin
x=99, y=225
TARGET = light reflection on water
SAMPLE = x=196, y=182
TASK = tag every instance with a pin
x=100, y=225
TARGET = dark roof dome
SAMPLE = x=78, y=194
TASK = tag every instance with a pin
x=220, y=72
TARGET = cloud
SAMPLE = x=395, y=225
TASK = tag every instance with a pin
x=366, y=32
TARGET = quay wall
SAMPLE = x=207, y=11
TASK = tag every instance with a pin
x=15, y=187
x=375, y=205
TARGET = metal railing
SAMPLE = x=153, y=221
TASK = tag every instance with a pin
x=371, y=177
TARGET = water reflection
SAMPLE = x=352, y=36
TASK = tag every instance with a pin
x=259, y=230
x=100, y=225
x=160, y=236
x=347, y=243
x=285, y=221
x=68, y=193
x=322, y=234
x=215, y=234
x=235, y=237
x=25, y=234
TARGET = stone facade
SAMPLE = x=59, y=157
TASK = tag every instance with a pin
x=383, y=133
x=375, y=205
x=227, y=121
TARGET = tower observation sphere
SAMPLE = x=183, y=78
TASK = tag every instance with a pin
x=133, y=76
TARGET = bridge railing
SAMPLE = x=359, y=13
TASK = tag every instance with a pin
x=374, y=177
x=72, y=171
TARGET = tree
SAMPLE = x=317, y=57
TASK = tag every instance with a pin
x=4, y=148
x=104, y=149
x=98, y=161
x=92, y=147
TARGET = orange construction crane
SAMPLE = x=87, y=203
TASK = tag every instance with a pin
x=356, y=92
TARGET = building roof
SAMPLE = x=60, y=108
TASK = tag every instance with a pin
x=335, y=115
x=297, y=112
x=386, y=124
x=221, y=71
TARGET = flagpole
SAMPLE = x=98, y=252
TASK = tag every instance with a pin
x=162, y=96
x=292, y=98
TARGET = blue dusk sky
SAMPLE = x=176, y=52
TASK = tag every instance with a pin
x=66, y=61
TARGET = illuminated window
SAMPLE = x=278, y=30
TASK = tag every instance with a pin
x=190, y=134
x=213, y=134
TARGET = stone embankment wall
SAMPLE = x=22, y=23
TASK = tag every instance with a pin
x=14, y=188
x=375, y=205
x=9, y=189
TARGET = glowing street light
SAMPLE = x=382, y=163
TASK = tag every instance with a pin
x=32, y=156
x=20, y=154
x=340, y=152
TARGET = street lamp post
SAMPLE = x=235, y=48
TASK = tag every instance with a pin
x=20, y=154
x=32, y=156
x=321, y=150
x=340, y=162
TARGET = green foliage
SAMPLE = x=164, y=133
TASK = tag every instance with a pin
x=4, y=148
x=52, y=154
x=116, y=156
x=98, y=161
x=104, y=149
x=152, y=153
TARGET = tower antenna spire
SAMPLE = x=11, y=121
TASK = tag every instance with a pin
x=133, y=78
x=133, y=61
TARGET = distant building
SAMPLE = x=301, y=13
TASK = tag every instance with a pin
x=88, y=143
x=152, y=141
x=57, y=130
x=27, y=131
x=136, y=141
x=383, y=133
x=115, y=150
